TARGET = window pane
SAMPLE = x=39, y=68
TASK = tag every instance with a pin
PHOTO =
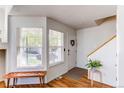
x=29, y=57
x=30, y=47
x=55, y=38
x=31, y=37
x=56, y=46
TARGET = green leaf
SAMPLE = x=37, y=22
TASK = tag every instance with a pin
x=94, y=64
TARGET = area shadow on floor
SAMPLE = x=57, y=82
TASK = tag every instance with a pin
x=76, y=73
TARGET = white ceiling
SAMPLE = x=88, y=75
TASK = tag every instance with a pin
x=75, y=16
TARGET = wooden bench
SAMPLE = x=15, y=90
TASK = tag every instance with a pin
x=28, y=74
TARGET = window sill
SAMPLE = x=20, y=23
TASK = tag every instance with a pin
x=54, y=64
x=30, y=67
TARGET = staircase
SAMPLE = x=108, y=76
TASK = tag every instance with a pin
x=106, y=53
x=102, y=45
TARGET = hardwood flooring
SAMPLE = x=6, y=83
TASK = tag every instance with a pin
x=72, y=79
x=71, y=83
x=76, y=73
x=67, y=82
x=2, y=84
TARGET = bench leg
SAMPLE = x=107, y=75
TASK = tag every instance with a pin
x=40, y=80
x=14, y=81
x=43, y=79
x=8, y=81
x=92, y=75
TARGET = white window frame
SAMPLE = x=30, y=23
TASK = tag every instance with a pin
x=18, y=46
x=59, y=62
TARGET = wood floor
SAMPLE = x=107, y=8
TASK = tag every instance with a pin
x=72, y=79
x=66, y=82
x=2, y=84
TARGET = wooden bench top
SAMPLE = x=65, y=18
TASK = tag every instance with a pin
x=25, y=74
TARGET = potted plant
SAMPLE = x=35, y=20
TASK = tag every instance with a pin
x=94, y=64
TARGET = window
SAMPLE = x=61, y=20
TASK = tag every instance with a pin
x=29, y=50
x=56, y=47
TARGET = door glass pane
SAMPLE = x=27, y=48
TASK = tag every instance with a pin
x=56, y=47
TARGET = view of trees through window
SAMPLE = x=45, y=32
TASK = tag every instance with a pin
x=30, y=47
x=56, y=46
x=29, y=50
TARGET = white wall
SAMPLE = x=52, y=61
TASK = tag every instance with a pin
x=2, y=21
x=120, y=45
x=3, y=45
x=4, y=11
x=57, y=70
x=90, y=38
x=107, y=56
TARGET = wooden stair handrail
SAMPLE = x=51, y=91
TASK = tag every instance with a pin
x=101, y=45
